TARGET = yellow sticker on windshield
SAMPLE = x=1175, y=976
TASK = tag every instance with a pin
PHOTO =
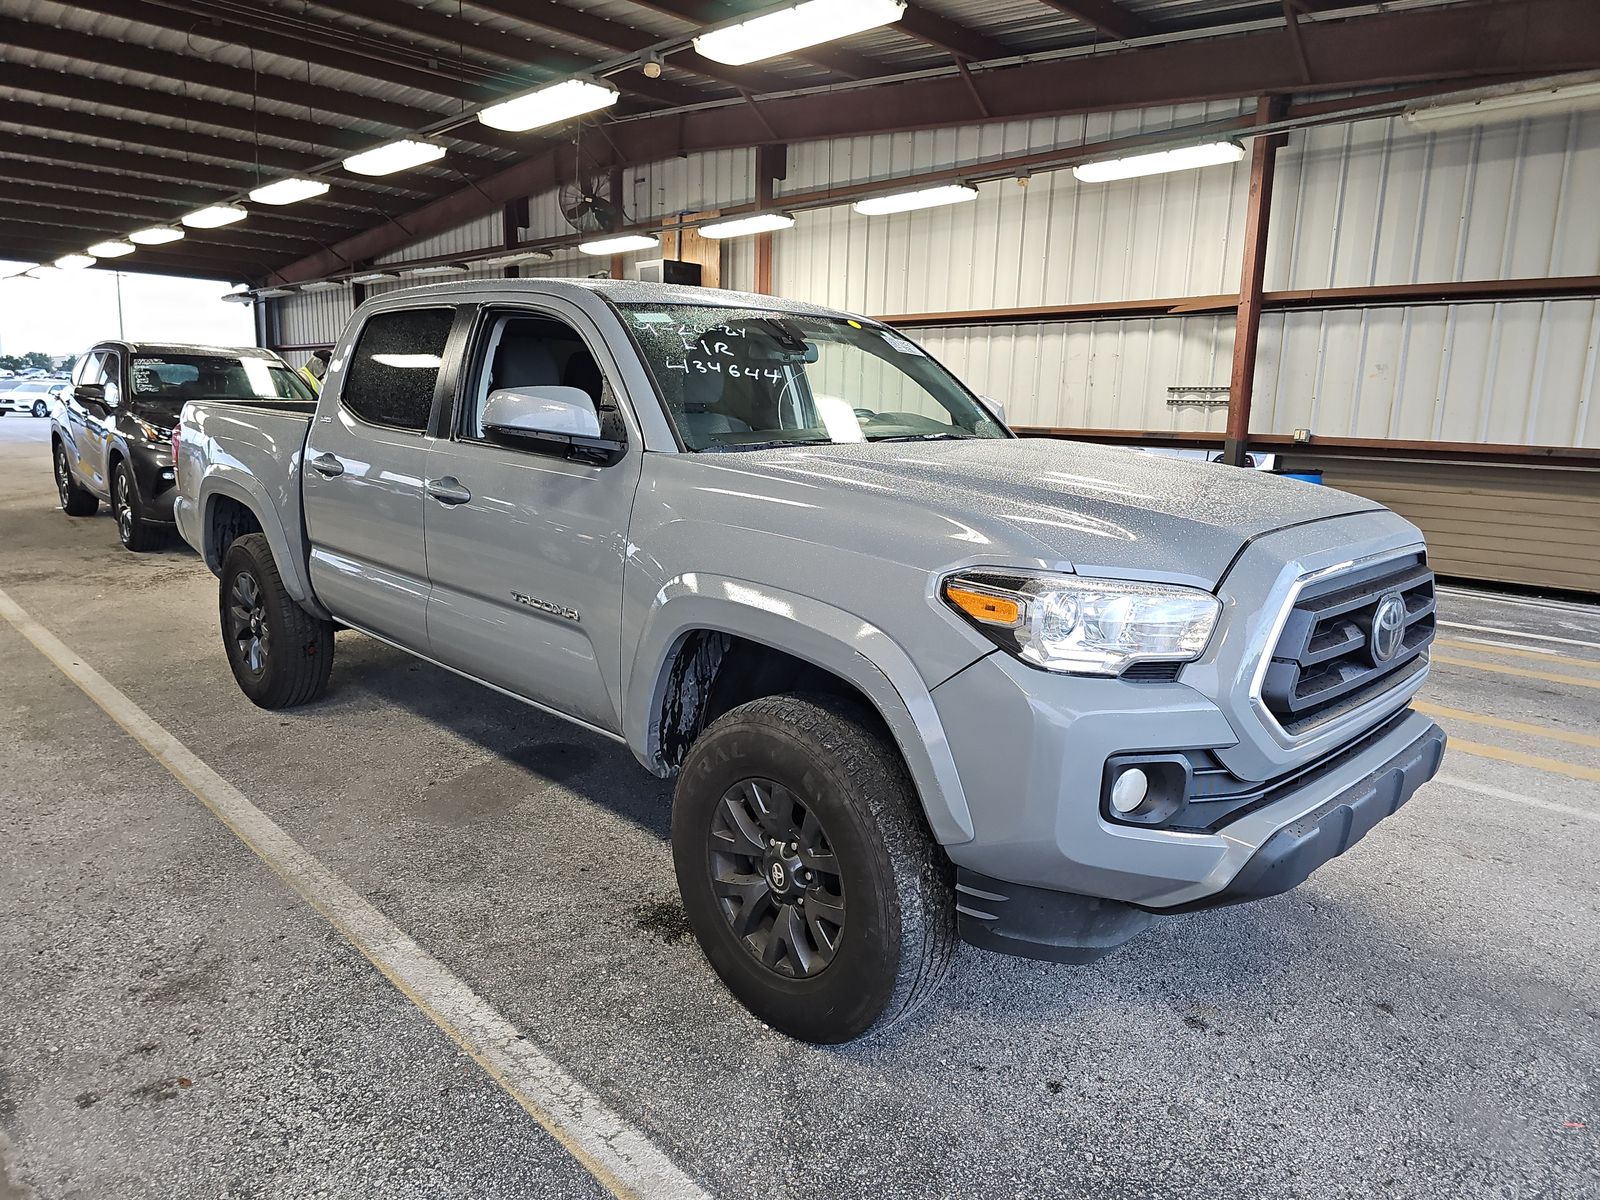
x=853, y=324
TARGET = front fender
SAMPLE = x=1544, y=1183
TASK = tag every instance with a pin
x=829, y=638
x=224, y=480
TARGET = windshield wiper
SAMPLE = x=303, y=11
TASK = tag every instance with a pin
x=729, y=447
x=923, y=437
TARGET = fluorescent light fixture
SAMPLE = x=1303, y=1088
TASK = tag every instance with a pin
x=791, y=29
x=507, y=260
x=73, y=262
x=954, y=193
x=288, y=191
x=395, y=156
x=620, y=245
x=322, y=285
x=760, y=223
x=1185, y=158
x=437, y=269
x=156, y=235
x=272, y=293
x=1507, y=106
x=375, y=276
x=111, y=249
x=549, y=105
x=410, y=362
x=214, y=217
x=240, y=296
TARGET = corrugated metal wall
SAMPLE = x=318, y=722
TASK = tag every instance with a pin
x=1372, y=203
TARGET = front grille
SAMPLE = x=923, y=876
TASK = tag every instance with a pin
x=1323, y=664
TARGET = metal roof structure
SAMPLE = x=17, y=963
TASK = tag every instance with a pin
x=117, y=114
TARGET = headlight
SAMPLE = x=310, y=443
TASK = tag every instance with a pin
x=1085, y=626
x=152, y=433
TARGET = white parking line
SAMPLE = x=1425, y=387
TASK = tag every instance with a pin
x=619, y=1156
x=1517, y=633
x=1494, y=793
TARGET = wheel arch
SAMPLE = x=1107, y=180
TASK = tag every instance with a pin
x=702, y=627
x=224, y=496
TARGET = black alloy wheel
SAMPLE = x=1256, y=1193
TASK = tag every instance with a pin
x=776, y=878
x=75, y=501
x=247, y=624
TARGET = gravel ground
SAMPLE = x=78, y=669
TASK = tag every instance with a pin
x=1420, y=1020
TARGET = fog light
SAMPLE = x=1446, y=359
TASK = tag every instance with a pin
x=1130, y=789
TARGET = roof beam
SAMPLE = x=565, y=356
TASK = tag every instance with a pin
x=43, y=197
x=505, y=46
x=94, y=227
x=1110, y=18
x=613, y=35
x=705, y=13
x=72, y=86
x=928, y=26
x=340, y=107
x=36, y=243
x=1515, y=39
x=306, y=47
x=48, y=120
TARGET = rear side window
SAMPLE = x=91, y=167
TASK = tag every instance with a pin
x=395, y=366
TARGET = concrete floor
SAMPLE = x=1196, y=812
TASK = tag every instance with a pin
x=1420, y=1020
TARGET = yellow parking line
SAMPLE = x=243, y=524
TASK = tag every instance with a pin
x=1527, y=727
x=1519, y=672
x=1537, y=761
x=1546, y=656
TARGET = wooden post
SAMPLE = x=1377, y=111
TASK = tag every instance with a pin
x=1252, y=276
x=772, y=164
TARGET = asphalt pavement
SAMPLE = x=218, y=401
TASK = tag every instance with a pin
x=1421, y=1019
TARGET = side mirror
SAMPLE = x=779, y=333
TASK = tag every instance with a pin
x=995, y=407
x=90, y=391
x=561, y=413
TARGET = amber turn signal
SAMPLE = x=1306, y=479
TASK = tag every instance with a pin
x=984, y=606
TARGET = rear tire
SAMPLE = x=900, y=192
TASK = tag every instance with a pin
x=280, y=654
x=803, y=798
x=76, y=501
x=127, y=506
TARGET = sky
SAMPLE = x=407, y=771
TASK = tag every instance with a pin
x=68, y=311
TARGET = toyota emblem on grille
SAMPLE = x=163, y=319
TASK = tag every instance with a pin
x=1388, y=628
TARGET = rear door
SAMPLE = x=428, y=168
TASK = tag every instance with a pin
x=363, y=475
x=526, y=545
x=85, y=421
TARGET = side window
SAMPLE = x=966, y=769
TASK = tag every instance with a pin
x=528, y=351
x=111, y=371
x=395, y=366
x=93, y=367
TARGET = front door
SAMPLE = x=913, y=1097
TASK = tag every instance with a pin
x=526, y=544
x=364, y=471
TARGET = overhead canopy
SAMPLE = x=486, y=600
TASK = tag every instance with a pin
x=120, y=114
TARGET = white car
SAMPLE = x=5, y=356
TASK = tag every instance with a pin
x=31, y=396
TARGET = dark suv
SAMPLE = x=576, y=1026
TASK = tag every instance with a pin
x=111, y=438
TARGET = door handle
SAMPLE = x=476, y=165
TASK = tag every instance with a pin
x=327, y=465
x=448, y=490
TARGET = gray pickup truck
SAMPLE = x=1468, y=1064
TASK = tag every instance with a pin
x=918, y=678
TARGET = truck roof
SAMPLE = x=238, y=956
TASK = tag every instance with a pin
x=618, y=291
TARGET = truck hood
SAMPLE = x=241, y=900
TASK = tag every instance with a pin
x=1102, y=509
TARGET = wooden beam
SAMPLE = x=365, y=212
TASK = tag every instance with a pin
x=960, y=40
x=1105, y=16
x=1252, y=276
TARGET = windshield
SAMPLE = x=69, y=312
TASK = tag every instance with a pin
x=214, y=377
x=738, y=377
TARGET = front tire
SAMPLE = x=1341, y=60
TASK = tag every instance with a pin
x=39, y=409
x=76, y=501
x=280, y=654
x=807, y=871
x=133, y=531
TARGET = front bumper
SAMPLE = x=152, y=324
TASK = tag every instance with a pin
x=152, y=472
x=1065, y=927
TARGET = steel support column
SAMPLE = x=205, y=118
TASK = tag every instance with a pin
x=1252, y=276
